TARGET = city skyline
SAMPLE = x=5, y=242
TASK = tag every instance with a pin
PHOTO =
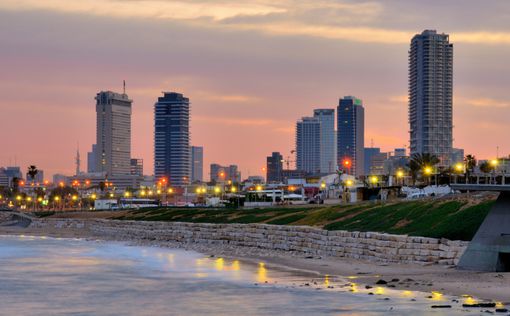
x=259, y=94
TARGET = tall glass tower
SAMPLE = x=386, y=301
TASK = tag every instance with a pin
x=113, y=133
x=351, y=135
x=172, y=155
x=430, y=95
x=308, y=144
x=328, y=145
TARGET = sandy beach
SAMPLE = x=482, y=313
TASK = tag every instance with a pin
x=437, y=278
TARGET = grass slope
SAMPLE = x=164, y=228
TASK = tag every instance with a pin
x=448, y=219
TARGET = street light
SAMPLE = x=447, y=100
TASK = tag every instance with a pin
x=323, y=185
x=374, y=180
x=217, y=190
x=233, y=189
x=127, y=194
x=459, y=167
x=349, y=183
x=259, y=188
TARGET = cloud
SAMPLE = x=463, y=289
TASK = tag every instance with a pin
x=156, y=9
x=488, y=102
x=357, y=22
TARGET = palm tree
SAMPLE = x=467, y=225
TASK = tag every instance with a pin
x=470, y=163
x=419, y=162
x=32, y=172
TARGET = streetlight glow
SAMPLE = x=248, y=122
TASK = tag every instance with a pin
x=427, y=170
x=374, y=179
x=400, y=174
x=233, y=189
x=459, y=167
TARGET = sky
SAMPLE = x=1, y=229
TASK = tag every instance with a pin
x=250, y=68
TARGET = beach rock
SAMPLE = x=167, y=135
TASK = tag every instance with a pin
x=381, y=281
x=441, y=306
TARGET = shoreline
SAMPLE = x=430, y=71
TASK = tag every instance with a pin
x=412, y=277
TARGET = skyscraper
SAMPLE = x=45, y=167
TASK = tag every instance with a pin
x=197, y=163
x=351, y=135
x=430, y=95
x=274, y=167
x=113, y=112
x=308, y=144
x=172, y=157
x=328, y=145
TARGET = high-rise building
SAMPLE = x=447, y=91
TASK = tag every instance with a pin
x=225, y=173
x=197, y=163
x=430, y=95
x=328, y=144
x=136, y=167
x=308, y=145
x=172, y=157
x=351, y=135
x=377, y=163
x=274, y=167
x=91, y=159
x=113, y=112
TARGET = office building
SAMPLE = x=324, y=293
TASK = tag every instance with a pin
x=172, y=157
x=326, y=118
x=136, y=167
x=308, y=145
x=197, y=164
x=351, y=135
x=91, y=159
x=222, y=174
x=274, y=167
x=113, y=141
x=430, y=95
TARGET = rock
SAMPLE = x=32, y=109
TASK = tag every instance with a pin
x=441, y=306
x=381, y=281
x=368, y=287
x=477, y=305
x=395, y=280
x=501, y=310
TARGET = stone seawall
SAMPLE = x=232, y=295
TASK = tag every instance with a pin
x=295, y=240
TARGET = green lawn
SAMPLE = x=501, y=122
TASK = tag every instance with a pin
x=448, y=219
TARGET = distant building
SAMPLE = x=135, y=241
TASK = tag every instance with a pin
x=292, y=174
x=308, y=144
x=225, y=173
x=400, y=152
x=367, y=158
x=430, y=95
x=254, y=180
x=137, y=167
x=91, y=159
x=113, y=112
x=60, y=178
x=172, y=157
x=274, y=167
x=4, y=179
x=351, y=135
x=328, y=160
x=116, y=182
x=377, y=163
x=197, y=164
x=457, y=155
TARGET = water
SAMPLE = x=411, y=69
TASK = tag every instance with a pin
x=46, y=276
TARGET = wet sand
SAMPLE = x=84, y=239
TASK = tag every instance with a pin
x=437, y=278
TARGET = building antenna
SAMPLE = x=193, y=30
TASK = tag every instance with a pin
x=124, y=82
x=372, y=142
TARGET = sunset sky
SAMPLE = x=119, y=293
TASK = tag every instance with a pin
x=250, y=69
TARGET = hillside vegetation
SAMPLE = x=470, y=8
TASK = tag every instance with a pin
x=452, y=219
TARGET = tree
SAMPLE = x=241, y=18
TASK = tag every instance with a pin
x=470, y=163
x=486, y=167
x=32, y=172
x=419, y=162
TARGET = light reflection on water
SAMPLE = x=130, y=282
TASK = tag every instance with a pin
x=46, y=276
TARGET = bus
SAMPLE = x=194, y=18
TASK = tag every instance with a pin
x=138, y=203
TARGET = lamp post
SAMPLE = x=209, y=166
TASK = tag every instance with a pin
x=494, y=164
